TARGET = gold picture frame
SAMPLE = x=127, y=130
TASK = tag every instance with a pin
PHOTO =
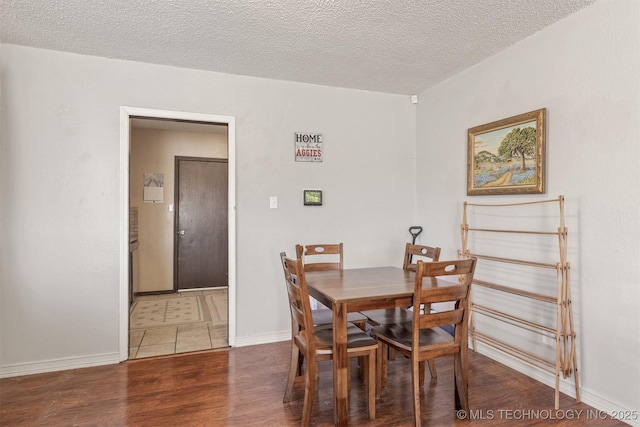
x=508, y=156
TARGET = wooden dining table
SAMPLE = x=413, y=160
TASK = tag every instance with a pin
x=359, y=289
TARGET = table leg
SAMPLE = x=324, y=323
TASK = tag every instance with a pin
x=340, y=365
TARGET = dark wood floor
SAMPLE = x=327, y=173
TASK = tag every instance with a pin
x=244, y=387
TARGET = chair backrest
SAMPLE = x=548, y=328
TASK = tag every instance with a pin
x=415, y=253
x=323, y=256
x=426, y=274
x=299, y=303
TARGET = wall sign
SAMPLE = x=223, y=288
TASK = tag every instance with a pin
x=308, y=147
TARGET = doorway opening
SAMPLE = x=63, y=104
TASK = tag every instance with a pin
x=154, y=231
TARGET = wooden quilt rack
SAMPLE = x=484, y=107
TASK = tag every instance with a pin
x=565, y=347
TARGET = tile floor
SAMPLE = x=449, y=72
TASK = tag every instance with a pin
x=155, y=339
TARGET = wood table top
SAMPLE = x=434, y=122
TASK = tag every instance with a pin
x=365, y=284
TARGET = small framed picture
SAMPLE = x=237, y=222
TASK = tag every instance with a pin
x=312, y=197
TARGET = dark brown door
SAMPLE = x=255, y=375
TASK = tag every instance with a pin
x=201, y=227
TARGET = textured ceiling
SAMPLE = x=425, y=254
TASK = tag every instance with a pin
x=394, y=46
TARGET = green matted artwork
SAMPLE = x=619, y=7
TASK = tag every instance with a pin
x=312, y=197
x=507, y=156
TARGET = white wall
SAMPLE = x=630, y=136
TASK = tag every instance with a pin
x=585, y=70
x=59, y=183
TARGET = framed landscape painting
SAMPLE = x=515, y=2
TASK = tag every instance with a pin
x=507, y=156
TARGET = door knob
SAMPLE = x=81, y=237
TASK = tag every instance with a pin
x=181, y=232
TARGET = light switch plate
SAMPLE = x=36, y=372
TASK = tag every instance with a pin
x=273, y=202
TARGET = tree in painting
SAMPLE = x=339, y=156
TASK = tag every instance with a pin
x=519, y=142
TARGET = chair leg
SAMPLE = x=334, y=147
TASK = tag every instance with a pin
x=363, y=326
x=383, y=380
x=421, y=373
x=371, y=383
x=461, y=382
x=415, y=381
x=362, y=361
x=391, y=354
x=310, y=385
x=432, y=368
x=300, y=370
x=379, y=358
x=293, y=369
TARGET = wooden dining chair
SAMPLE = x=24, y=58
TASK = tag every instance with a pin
x=424, y=339
x=325, y=257
x=315, y=343
x=414, y=253
x=389, y=316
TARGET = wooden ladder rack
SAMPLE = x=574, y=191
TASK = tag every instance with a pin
x=565, y=347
